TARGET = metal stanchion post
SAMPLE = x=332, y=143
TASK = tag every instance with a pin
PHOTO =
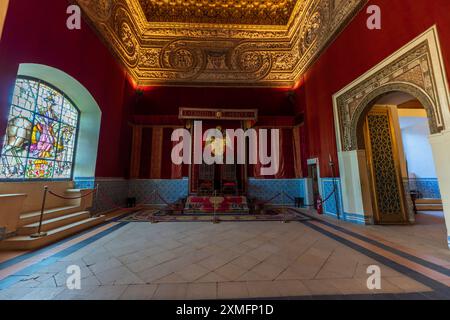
x=284, y=209
x=95, y=202
x=39, y=233
x=215, y=204
x=336, y=197
x=154, y=196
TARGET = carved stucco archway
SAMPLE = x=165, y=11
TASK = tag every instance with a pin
x=412, y=72
x=416, y=69
x=370, y=100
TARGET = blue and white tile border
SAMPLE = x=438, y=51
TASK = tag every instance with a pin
x=112, y=194
x=170, y=190
x=326, y=186
x=428, y=187
x=331, y=208
x=119, y=190
x=266, y=189
x=84, y=182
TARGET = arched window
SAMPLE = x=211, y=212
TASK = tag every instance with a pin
x=42, y=131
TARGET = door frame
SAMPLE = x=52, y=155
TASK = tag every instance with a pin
x=378, y=216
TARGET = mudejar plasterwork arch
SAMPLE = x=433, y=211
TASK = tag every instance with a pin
x=411, y=73
x=416, y=69
x=368, y=102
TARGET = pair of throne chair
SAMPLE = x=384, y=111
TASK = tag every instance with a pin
x=228, y=181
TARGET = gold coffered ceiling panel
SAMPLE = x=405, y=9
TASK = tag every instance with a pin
x=167, y=48
x=263, y=12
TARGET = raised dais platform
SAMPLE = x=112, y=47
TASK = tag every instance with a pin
x=217, y=204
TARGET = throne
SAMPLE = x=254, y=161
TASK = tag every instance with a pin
x=229, y=179
x=206, y=179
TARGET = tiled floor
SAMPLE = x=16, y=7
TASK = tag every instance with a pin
x=233, y=260
x=428, y=236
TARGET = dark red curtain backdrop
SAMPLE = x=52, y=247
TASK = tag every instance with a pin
x=357, y=50
x=35, y=32
x=167, y=100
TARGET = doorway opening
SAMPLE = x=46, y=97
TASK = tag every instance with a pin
x=402, y=177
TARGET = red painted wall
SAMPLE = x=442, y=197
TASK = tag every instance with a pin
x=35, y=32
x=356, y=51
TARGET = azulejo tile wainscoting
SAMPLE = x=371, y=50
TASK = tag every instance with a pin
x=266, y=189
x=334, y=204
x=84, y=182
x=169, y=190
x=428, y=187
x=112, y=192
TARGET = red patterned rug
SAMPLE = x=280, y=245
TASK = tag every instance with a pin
x=156, y=215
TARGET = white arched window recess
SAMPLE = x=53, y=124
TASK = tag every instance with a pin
x=57, y=137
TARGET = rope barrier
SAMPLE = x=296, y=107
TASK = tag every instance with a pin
x=292, y=199
x=109, y=201
x=322, y=202
x=105, y=198
x=270, y=200
x=115, y=206
x=147, y=198
x=171, y=206
x=70, y=198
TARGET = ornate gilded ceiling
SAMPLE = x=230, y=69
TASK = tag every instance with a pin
x=218, y=42
x=271, y=12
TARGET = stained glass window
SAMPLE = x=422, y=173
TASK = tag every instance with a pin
x=41, y=135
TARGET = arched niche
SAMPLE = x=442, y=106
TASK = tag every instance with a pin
x=90, y=114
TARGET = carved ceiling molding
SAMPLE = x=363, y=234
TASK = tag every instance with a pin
x=227, y=54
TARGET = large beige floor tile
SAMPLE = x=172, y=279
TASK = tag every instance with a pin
x=201, y=291
x=232, y=290
x=170, y=292
x=262, y=289
x=139, y=292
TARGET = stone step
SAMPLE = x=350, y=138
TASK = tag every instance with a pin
x=429, y=207
x=54, y=223
x=32, y=217
x=428, y=201
x=28, y=243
